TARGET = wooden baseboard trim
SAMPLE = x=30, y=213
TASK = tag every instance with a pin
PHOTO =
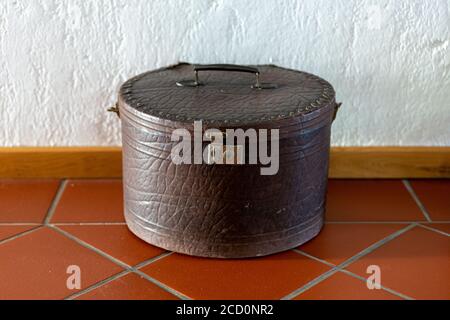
x=390, y=162
x=106, y=162
x=70, y=162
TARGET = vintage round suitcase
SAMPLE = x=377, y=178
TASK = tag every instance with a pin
x=229, y=209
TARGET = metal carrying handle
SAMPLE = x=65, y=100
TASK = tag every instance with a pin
x=225, y=67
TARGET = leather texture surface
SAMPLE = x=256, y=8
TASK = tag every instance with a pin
x=225, y=211
x=226, y=98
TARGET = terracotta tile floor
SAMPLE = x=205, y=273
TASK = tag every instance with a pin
x=50, y=227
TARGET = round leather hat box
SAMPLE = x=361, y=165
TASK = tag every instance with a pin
x=225, y=161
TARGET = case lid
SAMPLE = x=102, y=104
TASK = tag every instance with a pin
x=227, y=95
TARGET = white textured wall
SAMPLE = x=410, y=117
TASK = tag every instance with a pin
x=61, y=62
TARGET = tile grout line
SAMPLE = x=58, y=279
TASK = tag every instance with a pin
x=419, y=203
x=116, y=276
x=350, y=273
x=122, y=264
x=55, y=201
x=21, y=234
x=37, y=226
x=434, y=230
x=20, y=224
x=303, y=253
x=311, y=284
x=97, y=285
x=399, y=294
x=88, y=246
x=375, y=246
x=347, y=262
x=161, y=285
x=152, y=260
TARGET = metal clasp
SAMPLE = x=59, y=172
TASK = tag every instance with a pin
x=225, y=154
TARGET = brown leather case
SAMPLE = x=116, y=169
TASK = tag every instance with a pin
x=225, y=211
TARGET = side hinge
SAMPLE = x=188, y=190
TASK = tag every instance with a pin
x=115, y=109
